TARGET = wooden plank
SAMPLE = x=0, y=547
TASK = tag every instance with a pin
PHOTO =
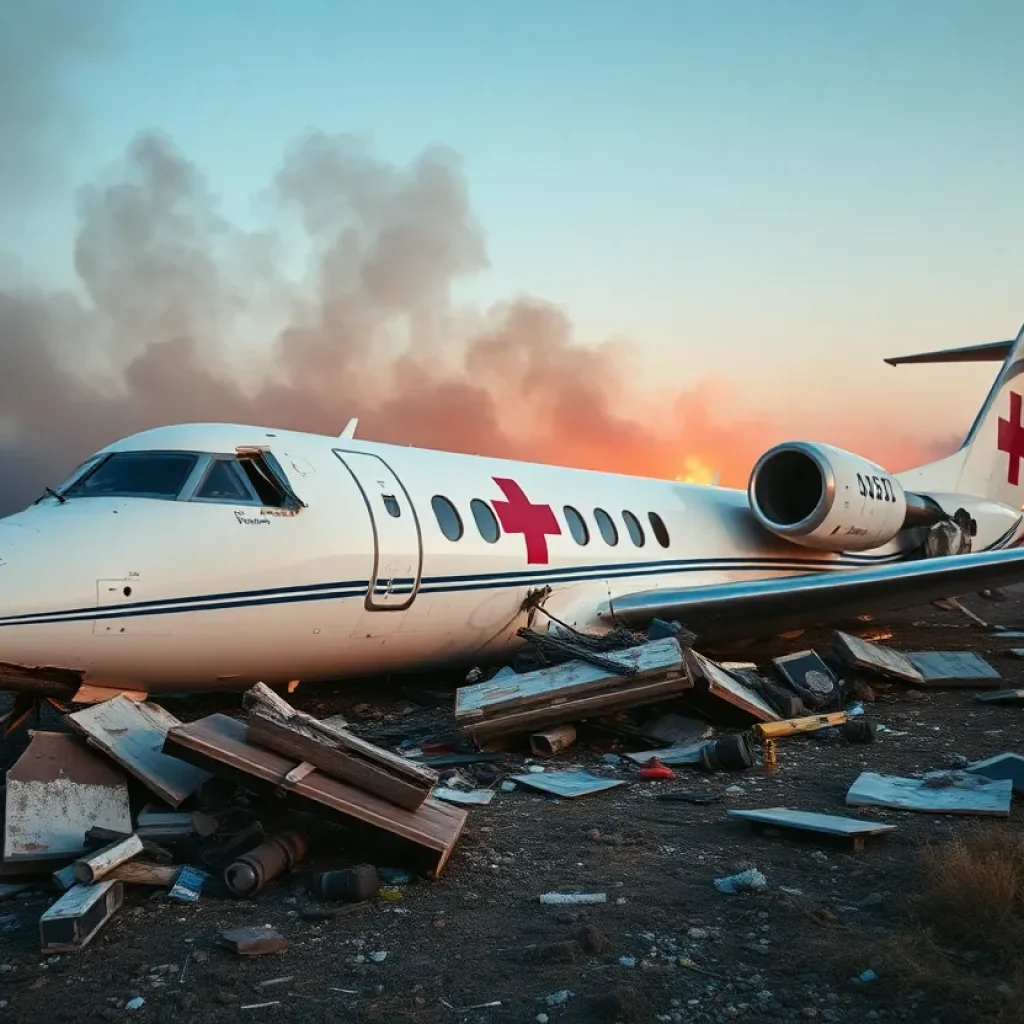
x=575, y=710
x=830, y=824
x=219, y=742
x=940, y=793
x=294, y=739
x=954, y=668
x=872, y=657
x=794, y=726
x=133, y=734
x=727, y=687
x=263, y=699
x=502, y=695
x=137, y=872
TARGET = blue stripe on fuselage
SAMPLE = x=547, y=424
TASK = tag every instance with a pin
x=437, y=585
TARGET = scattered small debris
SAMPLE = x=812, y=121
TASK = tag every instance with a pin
x=749, y=879
x=253, y=941
x=938, y=792
x=476, y=797
x=568, y=784
x=561, y=899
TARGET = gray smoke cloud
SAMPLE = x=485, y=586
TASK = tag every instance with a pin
x=340, y=305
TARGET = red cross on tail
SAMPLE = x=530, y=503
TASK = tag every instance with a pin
x=1011, y=439
x=534, y=522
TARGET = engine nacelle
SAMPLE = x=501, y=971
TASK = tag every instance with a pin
x=823, y=497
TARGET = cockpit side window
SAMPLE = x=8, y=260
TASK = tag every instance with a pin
x=148, y=474
x=225, y=481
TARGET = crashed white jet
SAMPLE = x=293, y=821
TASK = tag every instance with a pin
x=210, y=557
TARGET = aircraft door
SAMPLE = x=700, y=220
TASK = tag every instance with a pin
x=398, y=545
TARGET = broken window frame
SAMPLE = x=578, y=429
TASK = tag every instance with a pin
x=272, y=473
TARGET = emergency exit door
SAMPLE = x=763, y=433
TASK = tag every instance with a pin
x=398, y=546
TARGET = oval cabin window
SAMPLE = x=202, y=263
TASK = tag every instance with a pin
x=636, y=531
x=606, y=526
x=577, y=525
x=485, y=520
x=447, y=517
x=658, y=528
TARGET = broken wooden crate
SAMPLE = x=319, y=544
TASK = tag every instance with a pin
x=572, y=691
x=219, y=744
x=275, y=724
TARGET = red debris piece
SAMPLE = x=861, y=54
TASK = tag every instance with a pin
x=654, y=769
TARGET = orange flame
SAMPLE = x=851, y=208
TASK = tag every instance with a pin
x=696, y=471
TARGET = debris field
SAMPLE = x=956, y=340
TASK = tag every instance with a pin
x=625, y=828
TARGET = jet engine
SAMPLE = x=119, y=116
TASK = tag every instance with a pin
x=826, y=498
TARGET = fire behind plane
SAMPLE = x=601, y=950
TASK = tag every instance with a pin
x=213, y=556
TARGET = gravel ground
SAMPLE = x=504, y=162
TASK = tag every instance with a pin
x=666, y=946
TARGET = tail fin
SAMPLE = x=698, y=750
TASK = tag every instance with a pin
x=990, y=463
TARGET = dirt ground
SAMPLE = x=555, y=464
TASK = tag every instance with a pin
x=666, y=946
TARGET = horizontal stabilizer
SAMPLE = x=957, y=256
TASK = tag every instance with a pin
x=730, y=611
x=989, y=352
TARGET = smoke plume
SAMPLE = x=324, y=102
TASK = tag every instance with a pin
x=187, y=317
x=340, y=306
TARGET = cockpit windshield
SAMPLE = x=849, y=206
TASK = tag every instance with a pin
x=251, y=476
x=136, y=475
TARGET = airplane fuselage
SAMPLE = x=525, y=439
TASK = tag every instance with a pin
x=398, y=558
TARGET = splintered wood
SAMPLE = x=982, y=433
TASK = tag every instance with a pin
x=132, y=734
x=276, y=725
x=220, y=744
x=572, y=691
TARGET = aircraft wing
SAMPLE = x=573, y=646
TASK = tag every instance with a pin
x=756, y=608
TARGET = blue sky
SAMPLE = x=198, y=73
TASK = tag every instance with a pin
x=776, y=192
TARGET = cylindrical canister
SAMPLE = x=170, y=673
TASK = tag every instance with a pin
x=353, y=884
x=248, y=874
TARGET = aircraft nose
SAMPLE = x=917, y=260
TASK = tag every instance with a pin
x=13, y=536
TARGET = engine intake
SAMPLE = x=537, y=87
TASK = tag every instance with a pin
x=823, y=497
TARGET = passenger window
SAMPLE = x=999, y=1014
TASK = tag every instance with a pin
x=447, y=517
x=224, y=481
x=136, y=475
x=658, y=528
x=485, y=521
x=636, y=532
x=606, y=526
x=391, y=504
x=576, y=524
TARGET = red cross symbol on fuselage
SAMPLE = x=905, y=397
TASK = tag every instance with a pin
x=534, y=522
x=1011, y=439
